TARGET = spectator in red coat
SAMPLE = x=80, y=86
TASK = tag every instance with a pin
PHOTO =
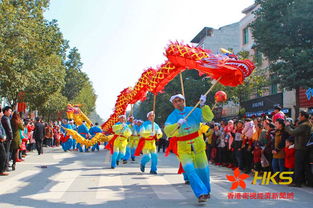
x=290, y=154
x=278, y=113
x=56, y=135
x=257, y=153
x=30, y=130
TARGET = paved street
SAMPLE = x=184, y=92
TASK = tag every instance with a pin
x=85, y=180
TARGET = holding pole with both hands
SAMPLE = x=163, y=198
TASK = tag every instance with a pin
x=149, y=133
x=201, y=102
x=183, y=125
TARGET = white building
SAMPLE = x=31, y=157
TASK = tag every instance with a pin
x=227, y=37
x=247, y=44
x=213, y=39
x=238, y=37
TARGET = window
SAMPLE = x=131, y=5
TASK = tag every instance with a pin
x=245, y=37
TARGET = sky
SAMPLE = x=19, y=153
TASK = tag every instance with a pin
x=119, y=39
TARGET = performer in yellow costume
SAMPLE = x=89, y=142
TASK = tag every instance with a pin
x=131, y=125
x=118, y=143
x=188, y=144
x=146, y=144
x=134, y=139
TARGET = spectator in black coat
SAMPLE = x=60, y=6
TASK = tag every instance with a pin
x=39, y=133
x=3, y=154
x=6, y=123
x=301, y=134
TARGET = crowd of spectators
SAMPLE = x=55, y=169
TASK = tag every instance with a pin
x=261, y=144
x=19, y=136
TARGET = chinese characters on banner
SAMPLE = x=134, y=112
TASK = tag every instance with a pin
x=260, y=195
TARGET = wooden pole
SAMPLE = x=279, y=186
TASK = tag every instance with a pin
x=214, y=106
x=131, y=110
x=198, y=103
x=182, y=86
x=153, y=109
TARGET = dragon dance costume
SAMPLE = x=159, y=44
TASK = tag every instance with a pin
x=147, y=145
x=134, y=139
x=67, y=141
x=93, y=131
x=84, y=132
x=227, y=70
x=189, y=146
x=128, y=150
x=117, y=145
x=73, y=146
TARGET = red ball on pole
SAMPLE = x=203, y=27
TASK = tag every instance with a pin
x=220, y=96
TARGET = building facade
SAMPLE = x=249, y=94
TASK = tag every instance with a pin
x=288, y=101
x=213, y=39
x=264, y=105
x=238, y=37
x=305, y=99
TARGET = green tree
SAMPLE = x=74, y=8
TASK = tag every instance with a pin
x=86, y=97
x=31, y=50
x=75, y=78
x=78, y=88
x=48, y=79
x=54, y=107
x=283, y=33
x=33, y=60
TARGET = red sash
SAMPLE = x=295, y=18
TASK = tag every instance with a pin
x=84, y=134
x=141, y=144
x=173, y=146
x=173, y=142
x=110, y=145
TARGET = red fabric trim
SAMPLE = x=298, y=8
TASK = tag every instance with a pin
x=180, y=169
x=173, y=142
x=64, y=138
x=173, y=146
x=141, y=144
x=21, y=107
x=110, y=145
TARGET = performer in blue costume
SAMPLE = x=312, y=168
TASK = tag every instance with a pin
x=66, y=145
x=188, y=144
x=186, y=179
x=71, y=122
x=84, y=132
x=147, y=145
x=93, y=131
